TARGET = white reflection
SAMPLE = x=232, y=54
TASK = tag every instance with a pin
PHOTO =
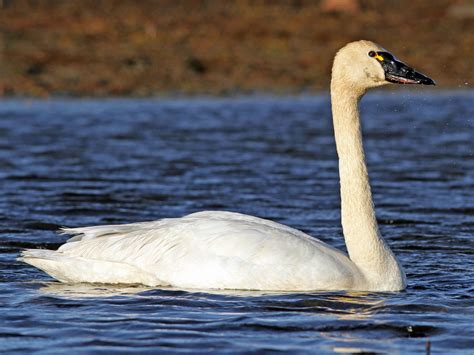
x=65, y=290
x=107, y=290
x=344, y=306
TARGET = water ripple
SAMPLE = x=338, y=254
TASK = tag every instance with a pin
x=85, y=162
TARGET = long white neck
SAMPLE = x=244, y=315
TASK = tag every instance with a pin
x=365, y=245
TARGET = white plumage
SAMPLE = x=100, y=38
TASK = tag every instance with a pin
x=224, y=250
x=202, y=250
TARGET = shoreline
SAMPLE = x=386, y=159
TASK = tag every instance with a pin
x=243, y=96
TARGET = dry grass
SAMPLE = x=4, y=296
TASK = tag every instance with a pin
x=96, y=48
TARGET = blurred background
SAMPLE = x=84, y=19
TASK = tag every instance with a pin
x=143, y=48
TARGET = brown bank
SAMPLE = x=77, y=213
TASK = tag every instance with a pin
x=100, y=48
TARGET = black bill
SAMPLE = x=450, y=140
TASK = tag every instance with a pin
x=399, y=73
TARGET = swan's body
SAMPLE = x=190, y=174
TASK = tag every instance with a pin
x=224, y=250
x=203, y=250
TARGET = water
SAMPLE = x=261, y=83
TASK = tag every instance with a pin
x=86, y=162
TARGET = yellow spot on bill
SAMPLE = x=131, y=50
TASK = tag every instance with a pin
x=379, y=57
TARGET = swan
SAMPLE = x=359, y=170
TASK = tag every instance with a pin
x=226, y=250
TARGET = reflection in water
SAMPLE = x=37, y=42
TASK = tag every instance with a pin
x=77, y=291
x=358, y=305
x=343, y=305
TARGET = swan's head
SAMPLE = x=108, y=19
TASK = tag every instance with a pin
x=363, y=64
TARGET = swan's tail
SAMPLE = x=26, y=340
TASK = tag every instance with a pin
x=49, y=261
x=69, y=268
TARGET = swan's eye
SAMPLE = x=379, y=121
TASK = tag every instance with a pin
x=372, y=54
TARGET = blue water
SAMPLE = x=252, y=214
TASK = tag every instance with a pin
x=85, y=162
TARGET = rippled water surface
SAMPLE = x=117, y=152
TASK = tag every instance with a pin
x=86, y=162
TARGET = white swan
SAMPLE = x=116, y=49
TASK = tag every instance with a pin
x=224, y=250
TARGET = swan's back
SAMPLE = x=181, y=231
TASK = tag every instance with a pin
x=211, y=250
